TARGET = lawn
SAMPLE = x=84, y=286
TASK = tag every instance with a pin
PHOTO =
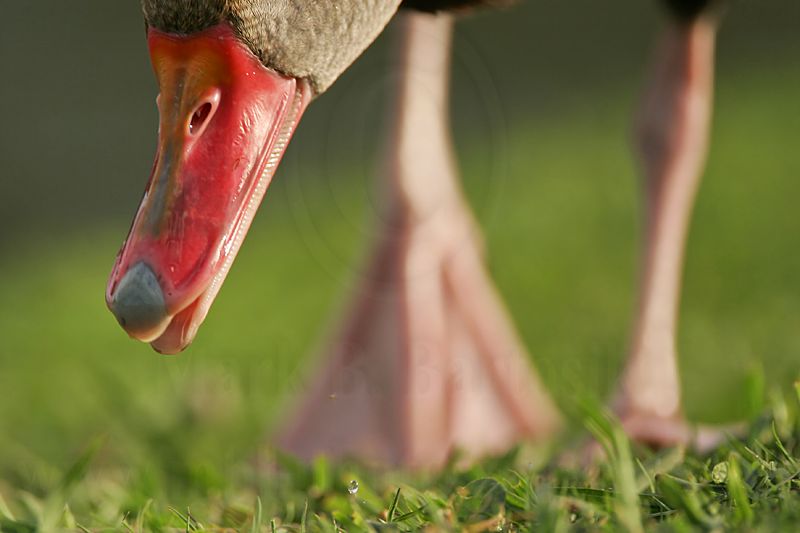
x=100, y=432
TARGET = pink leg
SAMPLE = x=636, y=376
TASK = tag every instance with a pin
x=427, y=361
x=672, y=139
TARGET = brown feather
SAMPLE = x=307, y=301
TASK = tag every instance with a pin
x=314, y=40
x=691, y=9
x=434, y=6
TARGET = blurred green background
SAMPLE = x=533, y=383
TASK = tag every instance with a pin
x=543, y=96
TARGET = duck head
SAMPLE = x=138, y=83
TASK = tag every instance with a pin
x=234, y=78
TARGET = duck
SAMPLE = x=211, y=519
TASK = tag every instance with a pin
x=426, y=356
x=425, y=362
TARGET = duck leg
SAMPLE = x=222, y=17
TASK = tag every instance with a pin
x=672, y=133
x=427, y=361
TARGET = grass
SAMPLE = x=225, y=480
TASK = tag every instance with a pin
x=99, y=432
x=750, y=484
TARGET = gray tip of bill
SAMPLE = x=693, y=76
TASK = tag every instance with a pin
x=138, y=302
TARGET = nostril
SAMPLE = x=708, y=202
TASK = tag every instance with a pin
x=199, y=118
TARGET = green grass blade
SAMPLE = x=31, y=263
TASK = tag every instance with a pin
x=256, y=526
x=738, y=492
x=393, y=506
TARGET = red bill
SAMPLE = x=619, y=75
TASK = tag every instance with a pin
x=225, y=121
